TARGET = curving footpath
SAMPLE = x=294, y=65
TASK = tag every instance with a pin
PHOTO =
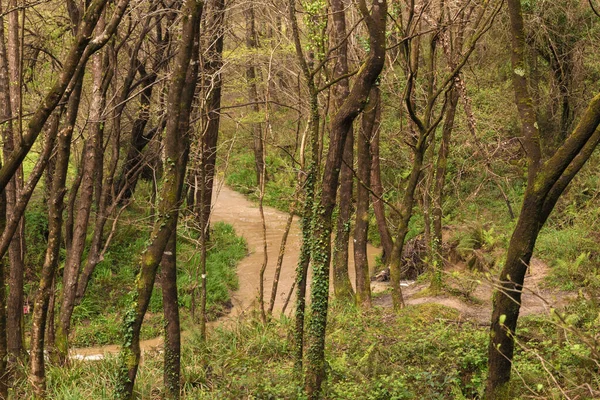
x=234, y=209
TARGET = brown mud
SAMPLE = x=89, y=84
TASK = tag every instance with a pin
x=235, y=209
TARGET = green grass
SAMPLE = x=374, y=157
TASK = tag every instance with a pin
x=97, y=320
x=424, y=352
x=281, y=179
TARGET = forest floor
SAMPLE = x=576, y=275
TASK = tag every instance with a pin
x=475, y=303
x=469, y=294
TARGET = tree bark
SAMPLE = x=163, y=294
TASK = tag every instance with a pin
x=172, y=352
x=55, y=221
x=3, y=346
x=546, y=183
x=309, y=192
x=341, y=280
x=213, y=79
x=321, y=250
x=89, y=173
x=438, y=190
x=378, y=205
x=179, y=104
x=255, y=127
x=10, y=95
x=370, y=124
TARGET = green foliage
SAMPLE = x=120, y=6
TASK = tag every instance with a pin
x=36, y=234
x=573, y=254
x=423, y=352
x=281, y=179
x=98, y=319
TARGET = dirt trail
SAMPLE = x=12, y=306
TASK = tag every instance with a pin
x=535, y=299
x=233, y=208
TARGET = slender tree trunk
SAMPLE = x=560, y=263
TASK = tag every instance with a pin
x=179, y=104
x=321, y=251
x=277, y=274
x=11, y=94
x=378, y=205
x=341, y=280
x=438, y=191
x=55, y=221
x=172, y=352
x=310, y=182
x=256, y=129
x=3, y=346
x=139, y=140
x=406, y=206
x=212, y=72
x=89, y=173
x=370, y=124
x=306, y=248
x=546, y=183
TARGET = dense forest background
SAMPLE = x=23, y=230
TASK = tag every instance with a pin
x=420, y=214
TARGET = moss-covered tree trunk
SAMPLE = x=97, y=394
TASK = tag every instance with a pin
x=172, y=351
x=341, y=280
x=309, y=192
x=377, y=199
x=179, y=104
x=546, y=182
x=438, y=191
x=405, y=210
x=375, y=20
x=370, y=124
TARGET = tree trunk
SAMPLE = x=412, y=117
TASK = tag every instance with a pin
x=378, y=205
x=16, y=268
x=179, y=104
x=3, y=345
x=341, y=123
x=370, y=124
x=255, y=127
x=438, y=191
x=406, y=207
x=341, y=280
x=55, y=221
x=89, y=173
x=546, y=183
x=172, y=352
x=212, y=71
x=309, y=192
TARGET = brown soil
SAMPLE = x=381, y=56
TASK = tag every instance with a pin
x=233, y=208
x=474, y=303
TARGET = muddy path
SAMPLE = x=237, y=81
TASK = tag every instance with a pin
x=536, y=297
x=234, y=209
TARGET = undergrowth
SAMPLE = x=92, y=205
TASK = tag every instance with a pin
x=423, y=352
x=97, y=320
